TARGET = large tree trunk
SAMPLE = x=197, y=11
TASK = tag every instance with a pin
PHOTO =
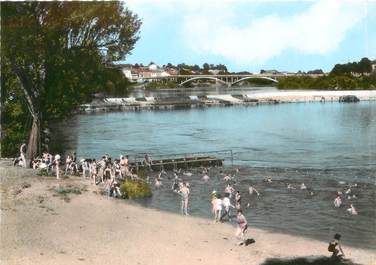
x=33, y=148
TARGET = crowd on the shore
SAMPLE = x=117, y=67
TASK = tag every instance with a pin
x=226, y=207
x=106, y=171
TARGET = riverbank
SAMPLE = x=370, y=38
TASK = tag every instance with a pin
x=186, y=102
x=42, y=226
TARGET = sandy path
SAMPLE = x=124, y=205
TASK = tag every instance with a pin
x=39, y=227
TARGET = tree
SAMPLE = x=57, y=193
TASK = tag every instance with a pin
x=56, y=50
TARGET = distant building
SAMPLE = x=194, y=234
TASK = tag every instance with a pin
x=152, y=67
x=269, y=72
x=214, y=71
x=171, y=71
x=373, y=65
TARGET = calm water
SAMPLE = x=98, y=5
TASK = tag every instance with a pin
x=319, y=144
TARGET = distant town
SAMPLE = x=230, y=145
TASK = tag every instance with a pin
x=137, y=72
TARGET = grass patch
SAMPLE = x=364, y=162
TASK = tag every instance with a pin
x=134, y=189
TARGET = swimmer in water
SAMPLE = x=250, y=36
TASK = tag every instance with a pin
x=184, y=192
x=268, y=180
x=337, y=201
x=251, y=190
x=226, y=178
x=352, y=210
x=175, y=185
x=290, y=187
x=303, y=186
x=229, y=190
x=157, y=183
x=205, y=178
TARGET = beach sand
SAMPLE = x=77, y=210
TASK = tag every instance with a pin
x=41, y=226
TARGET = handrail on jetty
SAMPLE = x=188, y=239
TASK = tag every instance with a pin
x=184, y=160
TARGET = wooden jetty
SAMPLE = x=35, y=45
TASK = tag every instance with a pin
x=182, y=162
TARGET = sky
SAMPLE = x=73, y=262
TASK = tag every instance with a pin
x=250, y=35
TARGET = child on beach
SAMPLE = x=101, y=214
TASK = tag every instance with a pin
x=217, y=206
x=242, y=226
x=333, y=246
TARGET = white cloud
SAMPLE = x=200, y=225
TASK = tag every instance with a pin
x=212, y=27
x=318, y=30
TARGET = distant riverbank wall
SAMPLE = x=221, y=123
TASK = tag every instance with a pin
x=187, y=102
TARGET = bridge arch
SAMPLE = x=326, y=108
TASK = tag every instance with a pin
x=254, y=77
x=203, y=77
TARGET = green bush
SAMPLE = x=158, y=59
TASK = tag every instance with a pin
x=133, y=189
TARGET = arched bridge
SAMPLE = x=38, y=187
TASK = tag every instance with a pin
x=203, y=77
x=228, y=80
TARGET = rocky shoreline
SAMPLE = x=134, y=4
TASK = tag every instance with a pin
x=188, y=102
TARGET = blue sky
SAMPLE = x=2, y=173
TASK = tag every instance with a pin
x=253, y=35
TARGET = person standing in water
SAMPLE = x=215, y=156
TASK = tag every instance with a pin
x=352, y=210
x=337, y=201
x=238, y=199
x=252, y=190
x=184, y=192
x=227, y=208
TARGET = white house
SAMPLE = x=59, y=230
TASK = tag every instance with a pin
x=153, y=67
x=373, y=65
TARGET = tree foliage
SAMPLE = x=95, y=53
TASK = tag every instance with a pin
x=361, y=67
x=54, y=57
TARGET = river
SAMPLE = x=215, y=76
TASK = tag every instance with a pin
x=328, y=146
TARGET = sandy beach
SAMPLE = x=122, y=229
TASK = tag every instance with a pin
x=41, y=226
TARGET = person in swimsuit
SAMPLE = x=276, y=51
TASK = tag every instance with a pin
x=242, y=226
x=251, y=190
x=157, y=183
x=352, y=210
x=184, y=192
x=22, y=155
x=333, y=246
x=337, y=201
x=229, y=190
x=68, y=162
x=93, y=167
x=226, y=178
x=227, y=208
x=57, y=165
x=205, y=178
x=217, y=203
x=238, y=199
